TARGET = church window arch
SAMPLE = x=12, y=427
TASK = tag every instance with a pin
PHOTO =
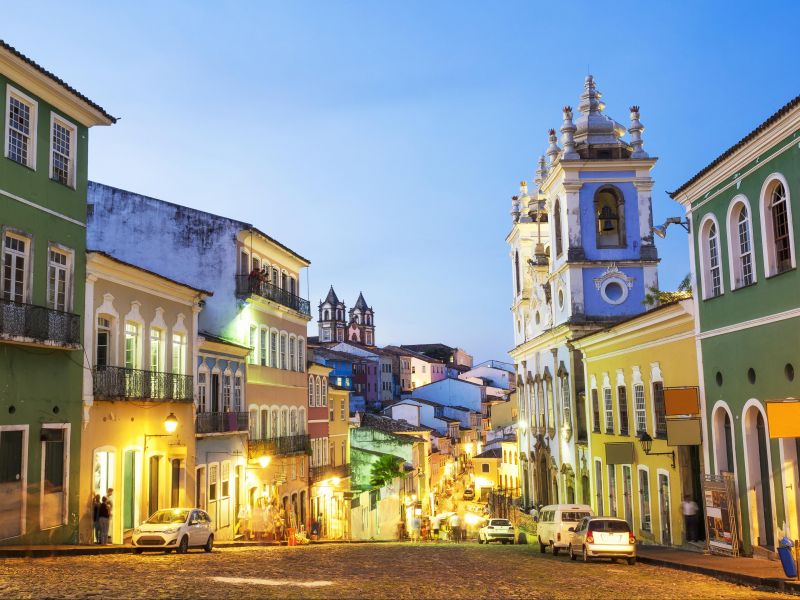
x=710, y=259
x=557, y=227
x=609, y=211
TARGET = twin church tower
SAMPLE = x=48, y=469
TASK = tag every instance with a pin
x=582, y=257
x=333, y=327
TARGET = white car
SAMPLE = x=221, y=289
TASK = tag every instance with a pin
x=603, y=537
x=557, y=523
x=175, y=529
x=496, y=530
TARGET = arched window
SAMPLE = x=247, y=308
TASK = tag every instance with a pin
x=310, y=390
x=319, y=392
x=273, y=422
x=557, y=226
x=284, y=424
x=324, y=392
x=516, y=270
x=740, y=244
x=301, y=418
x=710, y=258
x=293, y=422
x=301, y=355
x=263, y=432
x=777, y=226
x=327, y=315
x=565, y=400
x=609, y=210
x=253, y=423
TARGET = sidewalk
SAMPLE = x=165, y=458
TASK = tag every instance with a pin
x=744, y=571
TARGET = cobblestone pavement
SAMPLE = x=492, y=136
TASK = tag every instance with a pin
x=354, y=571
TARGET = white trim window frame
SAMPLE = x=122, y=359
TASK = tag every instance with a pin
x=273, y=348
x=23, y=475
x=645, y=499
x=202, y=389
x=301, y=355
x=608, y=406
x=20, y=139
x=16, y=262
x=59, y=278
x=227, y=390
x=63, y=142
x=741, y=256
x=65, y=429
x=639, y=409
x=238, y=399
x=709, y=252
x=769, y=201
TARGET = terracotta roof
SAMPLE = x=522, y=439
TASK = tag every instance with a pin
x=491, y=453
x=220, y=340
x=56, y=79
x=390, y=425
x=776, y=116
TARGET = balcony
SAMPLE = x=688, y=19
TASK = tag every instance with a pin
x=28, y=323
x=279, y=446
x=322, y=472
x=221, y=422
x=247, y=285
x=119, y=383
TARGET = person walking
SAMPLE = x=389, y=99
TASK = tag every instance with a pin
x=690, y=509
x=104, y=516
x=435, y=524
x=455, y=528
x=96, y=518
x=415, y=529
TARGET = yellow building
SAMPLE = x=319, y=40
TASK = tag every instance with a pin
x=498, y=469
x=628, y=368
x=138, y=397
x=273, y=324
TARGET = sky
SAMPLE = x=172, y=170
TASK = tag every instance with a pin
x=384, y=140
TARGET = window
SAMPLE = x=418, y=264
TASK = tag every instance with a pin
x=237, y=393
x=132, y=345
x=644, y=496
x=179, y=353
x=565, y=400
x=244, y=263
x=609, y=210
x=226, y=392
x=264, y=422
x=202, y=391
x=598, y=477
x=781, y=230
x=612, y=490
x=21, y=129
x=58, y=280
x=609, y=409
x=273, y=349
x=713, y=260
x=293, y=422
x=331, y=412
x=62, y=157
x=283, y=351
x=15, y=268
x=310, y=390
x=103, y=345
x=516, y=271
x=318, y=399
x=638, y=404
x=742, y=248
x=251, y=342
x=292, y=354
x=595, y=412
x=157, y=362
x=622, y=399
x=551, y=420
x=263, y=347
x=273, y=422
x=212, y=483
x=341, y=410
x=324, y=392
x=660, y=409
x=557, y=227
x=301, y=355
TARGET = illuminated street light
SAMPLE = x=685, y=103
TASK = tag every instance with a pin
x=171, y=423
x=263, y=461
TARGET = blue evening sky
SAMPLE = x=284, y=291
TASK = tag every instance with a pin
x=383, y=140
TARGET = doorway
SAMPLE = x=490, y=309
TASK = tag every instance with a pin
x=664, y=509
x=130, y=489
x=13, y=459
x=759, y=493
x=627, y=494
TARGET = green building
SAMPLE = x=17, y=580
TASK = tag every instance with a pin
x=43, y=179
x=744, y=260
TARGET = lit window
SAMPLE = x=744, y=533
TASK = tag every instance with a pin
x=644, y=497
x=202, y=393
x=15, y=269
x=273, y=350
x=103, y=342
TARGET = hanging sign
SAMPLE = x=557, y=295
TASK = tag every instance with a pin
x=783, y=418
x=681, y=401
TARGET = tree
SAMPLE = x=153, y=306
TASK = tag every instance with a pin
x=385, y=470
x=656, y=297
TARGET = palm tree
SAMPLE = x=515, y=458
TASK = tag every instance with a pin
x=656, y=297
x=385, y=470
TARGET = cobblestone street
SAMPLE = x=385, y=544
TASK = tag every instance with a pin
x=354, y=571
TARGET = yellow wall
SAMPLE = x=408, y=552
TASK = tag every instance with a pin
x=659, y=344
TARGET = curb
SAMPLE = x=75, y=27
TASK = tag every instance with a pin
x=783, y=585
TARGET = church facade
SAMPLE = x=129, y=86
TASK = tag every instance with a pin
x=357, y=326
x=583, y=258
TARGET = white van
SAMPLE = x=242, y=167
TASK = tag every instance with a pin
x=555, y=521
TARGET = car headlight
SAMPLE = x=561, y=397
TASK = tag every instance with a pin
x=170, y=530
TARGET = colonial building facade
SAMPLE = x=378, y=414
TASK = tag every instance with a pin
x=582, y=258
x=43, y=174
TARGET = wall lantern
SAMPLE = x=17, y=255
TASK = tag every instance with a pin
x=661, y=230
x=263, y=461
x=647, y=443
x=171, y=423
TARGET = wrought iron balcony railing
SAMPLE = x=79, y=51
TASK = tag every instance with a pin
x=119, y=383
x=39, y=324
x=278, y=446
x=328, y=472
x=221, y=422
x=247, y=284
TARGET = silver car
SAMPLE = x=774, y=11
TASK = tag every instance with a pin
x=175, y=529
x=603, y=537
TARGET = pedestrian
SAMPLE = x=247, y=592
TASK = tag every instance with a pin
x=96, y=518
x=259, y=521
x=690, y=509
x=103, y=517
x=435, y=524
x=243, y=518
x=416, y=525
x=455, y=527
x=110, y=503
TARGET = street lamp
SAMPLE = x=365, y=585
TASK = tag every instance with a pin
x=661, y=230
x=170, y=426
x=647, y=443
x=263, y=461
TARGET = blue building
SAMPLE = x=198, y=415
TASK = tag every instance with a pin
x=341, y=376
x=583, y=257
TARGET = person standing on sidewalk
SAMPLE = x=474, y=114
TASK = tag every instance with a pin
x=96, y=518
x=104, y=515
x=689, y=509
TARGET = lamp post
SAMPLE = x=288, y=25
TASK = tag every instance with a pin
x=647, y=443
x=661, y=230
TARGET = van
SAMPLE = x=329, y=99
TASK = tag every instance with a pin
x=555, y=522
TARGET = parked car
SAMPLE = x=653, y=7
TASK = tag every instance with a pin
x=175, y=529
x=469, y=494
x=603, y=537
x=556, y=523
x=496, y=530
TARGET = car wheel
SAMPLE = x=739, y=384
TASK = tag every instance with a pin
x=632, y=560
x=585, y=555
x=556, y=550
x=505, y=542
x=183, y=547
x=209, y=544
x=542, y=547
x=572, y=553
x=137, y=550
